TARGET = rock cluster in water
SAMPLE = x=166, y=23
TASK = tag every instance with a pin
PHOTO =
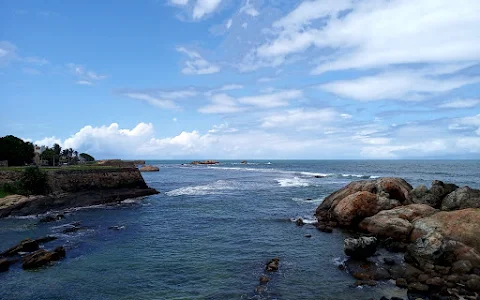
x=438, y=229
x=30, y=253
x=149, y=169
x=205, y=162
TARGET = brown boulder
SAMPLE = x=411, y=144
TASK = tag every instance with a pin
x=361, y=199
x=354, y=208
x=149, y=169
x=461, y=198
x=396, y=222
x=461, y=225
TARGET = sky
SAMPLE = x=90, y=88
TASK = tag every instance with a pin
x=244, y=79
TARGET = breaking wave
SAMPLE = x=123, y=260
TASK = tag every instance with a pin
x=217, y=187
x=293, y=182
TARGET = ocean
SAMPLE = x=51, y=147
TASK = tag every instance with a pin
x=209, y=233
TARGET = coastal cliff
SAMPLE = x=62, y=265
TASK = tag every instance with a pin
x=76, y=188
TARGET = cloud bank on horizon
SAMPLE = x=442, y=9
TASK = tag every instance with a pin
x=246, y=79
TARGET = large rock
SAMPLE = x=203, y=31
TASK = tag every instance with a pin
x=396, y=222
x=461, y=225
x=434, y=196
x=361, y=199
x=360, y=248
x=4, y=264
x=149, y=169
x=461, y=198
x=42, y=257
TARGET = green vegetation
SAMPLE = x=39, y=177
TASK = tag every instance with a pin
x=87, y=157
x=33, y=181
x=3, y=193
x=16, y=151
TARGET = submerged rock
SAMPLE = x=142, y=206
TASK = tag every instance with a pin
x=52, y=218
x=42, y=257
x=299, y=222
x=360, y=248
x=264, y=279
x=272, y=265
x=4, y=264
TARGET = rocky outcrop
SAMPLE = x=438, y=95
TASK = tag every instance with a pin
x=42, y=204
x=27, y=245
x=4, y=264
x=149, y=169
x=42, y=257
x=360, y=248
x=396, y=223
x=361, y=199
x=434, y=195
x=461, y=198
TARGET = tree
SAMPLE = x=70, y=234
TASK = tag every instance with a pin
x=87, y=157
x=48, y=154
x=16, y=151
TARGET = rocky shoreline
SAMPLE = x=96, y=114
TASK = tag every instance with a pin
x=436, y=229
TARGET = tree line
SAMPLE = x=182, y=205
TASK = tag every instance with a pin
x=20, y=153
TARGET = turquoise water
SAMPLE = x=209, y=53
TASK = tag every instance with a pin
x=210, y=232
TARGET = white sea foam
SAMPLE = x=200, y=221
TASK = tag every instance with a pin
x=305, y=220
x=217, y=187
x=293, y=182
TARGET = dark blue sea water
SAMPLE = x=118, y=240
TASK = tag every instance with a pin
x=210, y=232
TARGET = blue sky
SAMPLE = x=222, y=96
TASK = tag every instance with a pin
x=320, y=79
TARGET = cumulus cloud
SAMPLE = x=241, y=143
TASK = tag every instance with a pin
x=179, y=2
x=196, y=64
x=221, y=104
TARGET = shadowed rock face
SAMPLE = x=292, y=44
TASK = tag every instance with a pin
x=42, y=257
x=461, y=198
x=360, y=248
x=434, y=195
x=396, y=223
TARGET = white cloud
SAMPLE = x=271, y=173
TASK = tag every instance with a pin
x=179, y=2
x=84, y=82
x=272, y=100
x=205, y=7
x=249, y=9
x=48, y=141
x=196, y=64
x=460, y=103
x=229, y=23
x=227, y=87
x=376, y=33
x=221, y=104
x=301, y=119
x=155, y=101
x=467, y=123
x=84, y=76
x=39, y=61
x=399, y=85
x=174, y=120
